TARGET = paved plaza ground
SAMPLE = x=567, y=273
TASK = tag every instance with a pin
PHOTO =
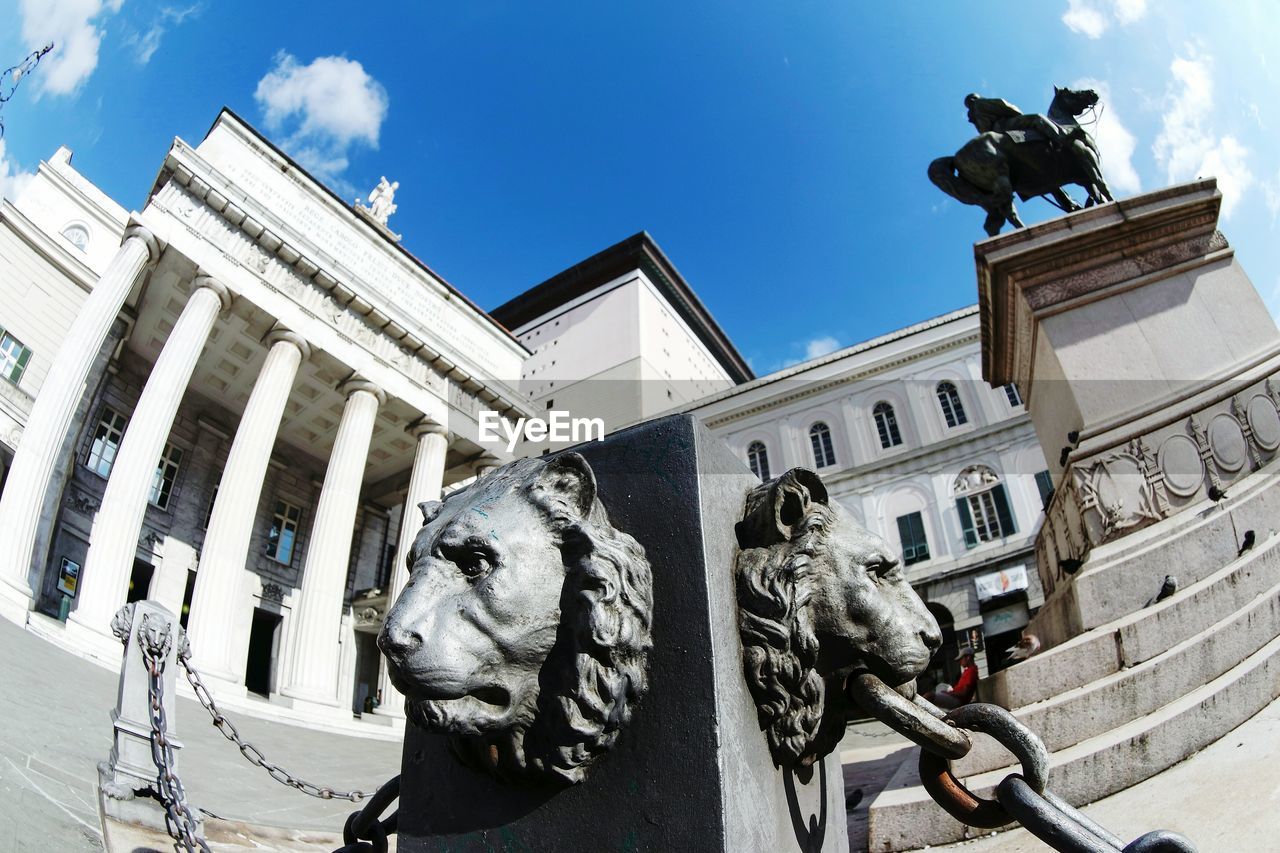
x=55, y=710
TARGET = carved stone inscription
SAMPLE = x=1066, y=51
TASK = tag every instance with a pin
x=819, y=598
x=524, y=630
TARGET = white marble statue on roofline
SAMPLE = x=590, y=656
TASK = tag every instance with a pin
x=381, y=204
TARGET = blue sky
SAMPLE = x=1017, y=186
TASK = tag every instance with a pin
x=777, y=152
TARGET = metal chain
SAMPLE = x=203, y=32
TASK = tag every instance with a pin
x=251, y=753
x=365, y=831
x=178, y=819
x=1021, y=798
x=11, y=77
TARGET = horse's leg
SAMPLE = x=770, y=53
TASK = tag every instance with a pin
x=1065, y=201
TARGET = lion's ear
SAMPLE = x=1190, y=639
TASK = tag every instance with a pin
x=430, y=509
x=568, y=477
x=793, y=495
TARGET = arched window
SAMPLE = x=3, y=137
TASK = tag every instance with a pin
x=983, y=506
x=886, y=425
x=952, y=409
x=824, y=453
x=758, y=459
x=77, y=235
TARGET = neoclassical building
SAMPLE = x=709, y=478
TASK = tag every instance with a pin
x=232, y=402
x=911, y=440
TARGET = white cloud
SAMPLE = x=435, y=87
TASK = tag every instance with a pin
x=1115, y=142
x=146, y=44
x=1092, y=18
x=1188, y=146
x=820, y=346
x=74, y=28
x=1271, y=191
x=12, y=179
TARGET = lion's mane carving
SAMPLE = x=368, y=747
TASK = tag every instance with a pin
x=524, y=629
x=819, y=598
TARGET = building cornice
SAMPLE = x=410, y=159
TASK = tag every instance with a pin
x=809, y=390
x=208, y=186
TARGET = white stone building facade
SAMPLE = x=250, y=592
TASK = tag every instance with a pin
x=911, y=440
x=231, y=402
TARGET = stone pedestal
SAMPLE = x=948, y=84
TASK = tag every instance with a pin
x=1145, y=357
x=127, y=779
x=692, y=770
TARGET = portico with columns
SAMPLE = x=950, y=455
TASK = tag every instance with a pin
x=292, y=384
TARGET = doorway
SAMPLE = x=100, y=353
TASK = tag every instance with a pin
x=368, y=665
x=139, y=581
x=264, y=640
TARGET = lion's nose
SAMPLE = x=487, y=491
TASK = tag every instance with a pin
x=398, y=642
x=932, y=637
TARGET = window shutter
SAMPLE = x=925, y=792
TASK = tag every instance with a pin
x=1007, y=527
x=966, y=523
x=904, y=536
x=23, y=357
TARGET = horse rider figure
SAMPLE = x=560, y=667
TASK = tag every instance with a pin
x=996, y=115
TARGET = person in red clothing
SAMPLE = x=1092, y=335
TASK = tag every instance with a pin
x=965, y=687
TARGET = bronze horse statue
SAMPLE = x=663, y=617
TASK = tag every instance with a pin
x=994, y=165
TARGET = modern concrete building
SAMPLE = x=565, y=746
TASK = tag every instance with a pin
x=231, y=402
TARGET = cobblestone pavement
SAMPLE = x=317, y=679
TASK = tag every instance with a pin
x=55, y=714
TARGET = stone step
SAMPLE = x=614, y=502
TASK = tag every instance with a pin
x=1139, y=636
x=1136, y=691
x=904, y=817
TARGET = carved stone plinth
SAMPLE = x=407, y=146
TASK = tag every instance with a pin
x=127, y=779
x=1149, y=365
x=691, y=769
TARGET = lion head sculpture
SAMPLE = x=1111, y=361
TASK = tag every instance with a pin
x=819, y=598
x=523, y=632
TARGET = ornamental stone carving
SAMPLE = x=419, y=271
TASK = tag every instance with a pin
x=1227, y=441
x=1115, y=495
x=523, y=632
x=1264, y=421
x=1180, y=461
x=819, y=599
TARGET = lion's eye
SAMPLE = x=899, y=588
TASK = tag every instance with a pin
x=882, y=568
x=474, y=564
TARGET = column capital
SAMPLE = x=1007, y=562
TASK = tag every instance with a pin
x=141, y=232
x=279, y=333
x=211, y=283
x=426, y=426
x=356, y=382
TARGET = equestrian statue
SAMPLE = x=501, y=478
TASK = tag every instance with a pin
x=1031, y=155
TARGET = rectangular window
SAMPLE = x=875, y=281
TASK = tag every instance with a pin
x=213, y=497
x=1011, y=392
x=1044, y=482
x=166, y=474
x=106, y=441
x=14, y=356
x=284, y=532
x=915, y=547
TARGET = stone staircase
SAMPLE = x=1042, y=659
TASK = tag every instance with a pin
x=1126, y=699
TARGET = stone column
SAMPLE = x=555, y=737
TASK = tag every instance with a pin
x=425, y=484
x=113, y=542
x=217, y=647
x=37, y=453
x=312, y=671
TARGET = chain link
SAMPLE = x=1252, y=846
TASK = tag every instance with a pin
x=1021, y=798
x=251, y=753
x=178, y=819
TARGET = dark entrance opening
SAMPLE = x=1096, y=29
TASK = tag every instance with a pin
x=260, y=666
x=139, y=581
x=368, y=662
x=186, y=598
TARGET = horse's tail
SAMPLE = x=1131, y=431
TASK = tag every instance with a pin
x=945, y=177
